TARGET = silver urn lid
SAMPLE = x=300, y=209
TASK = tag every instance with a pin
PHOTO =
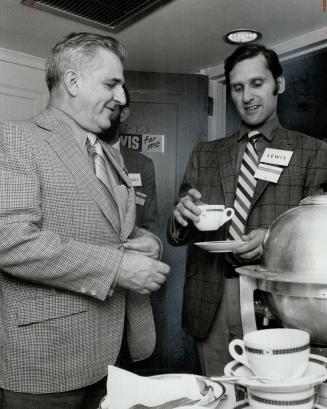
x=296, y=242
x=293, y=274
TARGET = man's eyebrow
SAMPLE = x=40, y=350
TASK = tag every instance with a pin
x=233, y=84
x=115, y=80
x=259, y=77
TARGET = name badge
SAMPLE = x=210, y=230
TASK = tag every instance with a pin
x=276, y=156
x=135, y=178
x=268, y=172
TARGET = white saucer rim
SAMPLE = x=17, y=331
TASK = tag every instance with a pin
x=266, y=387
x=224, y=246
x=219, y=242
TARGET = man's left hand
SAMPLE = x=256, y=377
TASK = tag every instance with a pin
x=146, y=245
x=252, y=249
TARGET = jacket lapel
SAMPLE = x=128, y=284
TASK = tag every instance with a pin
x=128, y=221
x=63, y=143
x=227, y=155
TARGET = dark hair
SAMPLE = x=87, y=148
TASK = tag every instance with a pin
x=76, y=49
x=246, y=51
x=128, y=98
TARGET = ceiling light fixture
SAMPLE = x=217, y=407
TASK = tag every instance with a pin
x=242, y=36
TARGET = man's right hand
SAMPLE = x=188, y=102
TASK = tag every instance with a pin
x=141, y=274
x=187, y=208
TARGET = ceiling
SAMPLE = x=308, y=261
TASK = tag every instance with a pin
x=183, y=36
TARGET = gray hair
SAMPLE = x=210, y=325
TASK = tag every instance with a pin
x=76, y=49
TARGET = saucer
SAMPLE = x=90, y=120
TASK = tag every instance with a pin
x=315, y=374
x=219, y=246
x=244, y=404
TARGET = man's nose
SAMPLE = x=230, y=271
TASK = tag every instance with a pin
x=120, y=96
x=247, y=94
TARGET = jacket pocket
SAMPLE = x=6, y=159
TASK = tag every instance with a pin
x=34, y=310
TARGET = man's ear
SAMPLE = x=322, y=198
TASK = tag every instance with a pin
x=124, y=114
x=71, y=82
x=280, y=85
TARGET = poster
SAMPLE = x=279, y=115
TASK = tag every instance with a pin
x=144, y=142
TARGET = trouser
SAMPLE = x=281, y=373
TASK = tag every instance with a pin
x=213, y=350
x=85, y=398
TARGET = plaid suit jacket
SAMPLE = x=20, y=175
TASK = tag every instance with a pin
x=59, y=255
x=212, y=170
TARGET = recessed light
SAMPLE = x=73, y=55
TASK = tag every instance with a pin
x=242, y=36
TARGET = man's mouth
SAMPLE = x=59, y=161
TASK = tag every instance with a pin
x=252, y=108
x=111, y=108
x=109, y=111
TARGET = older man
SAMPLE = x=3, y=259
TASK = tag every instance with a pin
x=74, y=268
x=226, y=172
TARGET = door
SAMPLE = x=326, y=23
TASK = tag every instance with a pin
x=173, y=105
x=23, y=92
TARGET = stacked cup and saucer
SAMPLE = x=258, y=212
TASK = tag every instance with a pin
x=277, y=369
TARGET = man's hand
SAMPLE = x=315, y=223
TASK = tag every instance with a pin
x=146, y=245
x=141, y=274
x=252, y=249
x=187, y=208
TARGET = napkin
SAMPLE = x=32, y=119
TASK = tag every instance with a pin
x=126, y=390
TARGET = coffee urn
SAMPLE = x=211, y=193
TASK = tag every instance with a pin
x=293, y=274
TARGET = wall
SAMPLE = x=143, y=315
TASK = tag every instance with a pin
x=23, y=91
x=303, y=106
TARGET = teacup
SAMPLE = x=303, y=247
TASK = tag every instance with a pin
x=280, y=353
x=244, y=404
x=213, y=216
x=322, y=394
x=300, y=399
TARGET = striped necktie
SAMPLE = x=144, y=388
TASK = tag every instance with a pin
x=96, y=152
x=246, y=184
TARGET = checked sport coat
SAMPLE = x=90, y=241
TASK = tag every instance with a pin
x=59, y=254
x=212, y=171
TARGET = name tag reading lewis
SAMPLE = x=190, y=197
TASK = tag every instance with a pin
x=276, y=157
x=135, y=178
x=271, y=164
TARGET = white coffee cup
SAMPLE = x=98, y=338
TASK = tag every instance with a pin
x=213, y=216
x=299, y=399
x=322, y=394
x=281, y=353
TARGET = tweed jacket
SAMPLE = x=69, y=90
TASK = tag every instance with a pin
x=212, y=170
x=59, y=256
x=146, y=195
